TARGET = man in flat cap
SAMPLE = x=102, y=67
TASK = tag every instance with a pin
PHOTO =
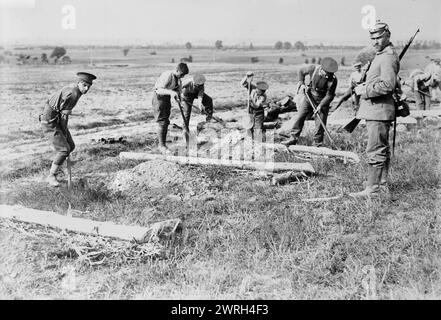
x=55, y=118
x=322, y=83
x=378, y=109
x=168, y=86
x=257, y=102
x=194, y=88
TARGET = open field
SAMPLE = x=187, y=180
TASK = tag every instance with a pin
x=242, y=238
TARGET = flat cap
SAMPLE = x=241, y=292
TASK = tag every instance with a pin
x=262, y=85
x=86, y=77
x=198, y=79
x=378, y=29
x=329, y=65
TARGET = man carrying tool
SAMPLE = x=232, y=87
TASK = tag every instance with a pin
x=256, y=104
x=167, y=86
x=322, y=85
x=54, y=121
x=377, y=107
x=420, y=83
x=194, y=88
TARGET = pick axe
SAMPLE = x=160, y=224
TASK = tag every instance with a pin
x=69, y=174
x=316, y=114
x=186, y=130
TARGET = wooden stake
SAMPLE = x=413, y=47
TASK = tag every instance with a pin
x=326, y=152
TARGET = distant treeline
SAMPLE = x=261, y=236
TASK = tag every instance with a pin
x=285, y=46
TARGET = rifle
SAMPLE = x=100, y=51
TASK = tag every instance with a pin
x=351, y=125
x=403, y=52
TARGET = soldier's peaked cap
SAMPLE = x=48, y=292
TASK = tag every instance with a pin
x=329, y=65
x=198, y=79
x=378, y=29
x=357, y=64
x=262, y=85
x=86, y=77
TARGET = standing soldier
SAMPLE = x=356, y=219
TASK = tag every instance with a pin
x=378, y=109
x=194, y=88
x=256, y=98
x=354, y=80
x=167, y=86
x=322, y=83
x=55, y=118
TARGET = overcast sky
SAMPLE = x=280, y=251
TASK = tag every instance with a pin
x=204, y=21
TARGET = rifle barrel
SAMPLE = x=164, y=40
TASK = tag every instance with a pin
x=403, y=52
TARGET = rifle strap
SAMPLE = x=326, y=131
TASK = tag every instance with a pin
x=394, y=137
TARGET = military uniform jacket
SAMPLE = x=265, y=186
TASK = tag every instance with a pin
x=168, y=80
x=322, y=87
x=377, y=102
x=65, y=99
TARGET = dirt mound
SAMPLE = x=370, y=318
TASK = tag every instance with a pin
x=150, y=174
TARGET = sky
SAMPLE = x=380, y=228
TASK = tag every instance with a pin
x=205, y=21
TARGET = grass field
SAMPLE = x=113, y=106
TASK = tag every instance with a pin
x=251, y=240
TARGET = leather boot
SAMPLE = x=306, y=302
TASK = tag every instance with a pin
x=373, y=184
x=162, y=136
x=384, y=187
x=51, y=178
x=384, y=175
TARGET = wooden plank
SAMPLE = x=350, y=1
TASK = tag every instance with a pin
x=242, y=164
x=322, y=199
x=81, y=225
x=322, y=151
x=425, y=113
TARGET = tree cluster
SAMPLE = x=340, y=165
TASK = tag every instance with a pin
x=279, y=45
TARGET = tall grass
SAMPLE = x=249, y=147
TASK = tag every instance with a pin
x=254, y=240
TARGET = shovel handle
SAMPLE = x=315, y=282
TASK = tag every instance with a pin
x=69, y=173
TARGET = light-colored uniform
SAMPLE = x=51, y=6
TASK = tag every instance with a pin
x=162, y=103
x=54, y=123
x=377, y=105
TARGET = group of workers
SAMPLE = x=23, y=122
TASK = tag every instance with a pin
x=374, y=97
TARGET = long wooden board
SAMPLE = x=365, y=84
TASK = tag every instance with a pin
x=242, y=164
x=81, y=225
